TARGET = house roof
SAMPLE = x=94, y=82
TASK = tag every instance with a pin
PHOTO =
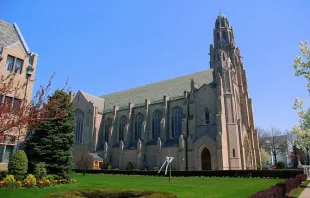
x=96, y=156
x=10, y=34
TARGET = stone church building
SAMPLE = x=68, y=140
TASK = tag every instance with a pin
x=204, y=120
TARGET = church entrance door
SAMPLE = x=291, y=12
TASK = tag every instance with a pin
x=205, y=159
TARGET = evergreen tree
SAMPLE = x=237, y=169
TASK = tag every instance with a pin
x=52, y=142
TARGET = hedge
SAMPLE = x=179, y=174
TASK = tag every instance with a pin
x=284, y=174
x=281, y=189
x=90, y=193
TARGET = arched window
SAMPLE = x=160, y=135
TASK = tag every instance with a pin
x=218, y=39
x=223, y=23
x=79, y=127
x=157, y=116
x=107, y=126
x=234, y=154
x=176, y=124
x=224, y=37
x=207, y=116
x=121, y=128
x=138, y=126
x=223, y=56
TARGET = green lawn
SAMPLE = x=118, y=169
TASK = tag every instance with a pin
x=188, y=187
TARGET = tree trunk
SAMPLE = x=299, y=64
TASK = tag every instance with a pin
x=308, y=156
x=295, y=156
x=275, y=158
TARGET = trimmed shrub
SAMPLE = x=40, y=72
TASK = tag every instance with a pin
x=40, y=171
x=90, y=193
x=280, y=165
x=156, y=169
x=30, y=181
x=109, y=167
x=50, y=177
x=9, y=181
x=18, y=165
x=129, y=166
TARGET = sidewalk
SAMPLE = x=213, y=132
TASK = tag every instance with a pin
x=305, y=193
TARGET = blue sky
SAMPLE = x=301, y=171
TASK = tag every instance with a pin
x=108, y=46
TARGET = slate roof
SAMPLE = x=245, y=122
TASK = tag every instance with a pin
x=98, y=102
x=155, y=91
x=10, y=34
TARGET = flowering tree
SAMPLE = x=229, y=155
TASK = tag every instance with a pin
x=17, y=114
x=302, y=131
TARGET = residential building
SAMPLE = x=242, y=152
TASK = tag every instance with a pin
x=204, y=120
x=15, y=57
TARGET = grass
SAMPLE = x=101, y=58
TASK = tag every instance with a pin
x=297, y=191
x=211, y=187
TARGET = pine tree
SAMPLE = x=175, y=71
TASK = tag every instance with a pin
x=52, y=142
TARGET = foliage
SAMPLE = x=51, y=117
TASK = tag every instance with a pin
x=3, y=175
x=25, y=114
x=302, y=68
x=155, y=168
x=280, y=165
x=89, y=193
x=281, y=189
x=40, y=171
x=283, y=173
x=265, y=157
x=30, y=181
x=52, y=142
x=129, y=166
x=18, y=165
x=9, y=181
x=109, y=167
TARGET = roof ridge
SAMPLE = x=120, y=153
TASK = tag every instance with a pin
x=152, y=83
x=83, y=92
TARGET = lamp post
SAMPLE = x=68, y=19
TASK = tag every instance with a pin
x=29, y=71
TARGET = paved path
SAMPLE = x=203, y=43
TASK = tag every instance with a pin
x=305, y=193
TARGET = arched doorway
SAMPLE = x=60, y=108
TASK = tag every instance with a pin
x=205, y=159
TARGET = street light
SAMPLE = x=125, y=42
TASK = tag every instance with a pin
x=29, y=71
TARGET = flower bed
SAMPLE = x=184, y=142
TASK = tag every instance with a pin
x=31, y=182
x=281, y=189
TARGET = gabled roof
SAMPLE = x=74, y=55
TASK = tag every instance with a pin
x=98, y=102
x=172, y=88
x=10, y=34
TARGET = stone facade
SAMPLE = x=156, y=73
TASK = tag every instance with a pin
x=204, y=120
x=15, y=56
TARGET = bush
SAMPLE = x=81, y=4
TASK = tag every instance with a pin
x=18, y=165
x=30, y=181
x=109, y=167
x=9, y=181
x=40, y=171
x=90, y=193
x=129, y=166
x=156, y=169
x=50, y=177
x=280, y=165
x=3, y=175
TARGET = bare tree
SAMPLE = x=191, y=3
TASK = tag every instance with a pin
x=85, y=162
x=273, y=141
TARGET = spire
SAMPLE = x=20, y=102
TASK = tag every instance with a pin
x=223, y=34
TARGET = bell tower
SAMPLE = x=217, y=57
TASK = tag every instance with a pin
x=225, y=60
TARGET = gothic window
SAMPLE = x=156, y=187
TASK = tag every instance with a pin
x=107, y=126
x=218, y=57
x=121, y=128
x=156, y=124
x=234, y=154
x=223, y=56
x=79, y=127
x=214, y=57
x=223, y=23
x=218, y=39
x=138, y=126
x=176, y=122
x=207, y=116
x=217, y=24
x=224, y=37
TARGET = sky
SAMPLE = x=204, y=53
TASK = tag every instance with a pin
x=107, y=46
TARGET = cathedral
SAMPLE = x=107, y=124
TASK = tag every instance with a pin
x=204, y=119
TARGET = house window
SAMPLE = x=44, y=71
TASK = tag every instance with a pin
x=10, y=63
x=1, y=152
x=176, y=122
x=138, y=126
x=156, y=124
x=1, y=99
x=8, y=153
x=107, y=127
x=16, y=104
x=122, y=124
x=79, y=127
x=18, y=66
x=14, y=64
x=207, y=116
